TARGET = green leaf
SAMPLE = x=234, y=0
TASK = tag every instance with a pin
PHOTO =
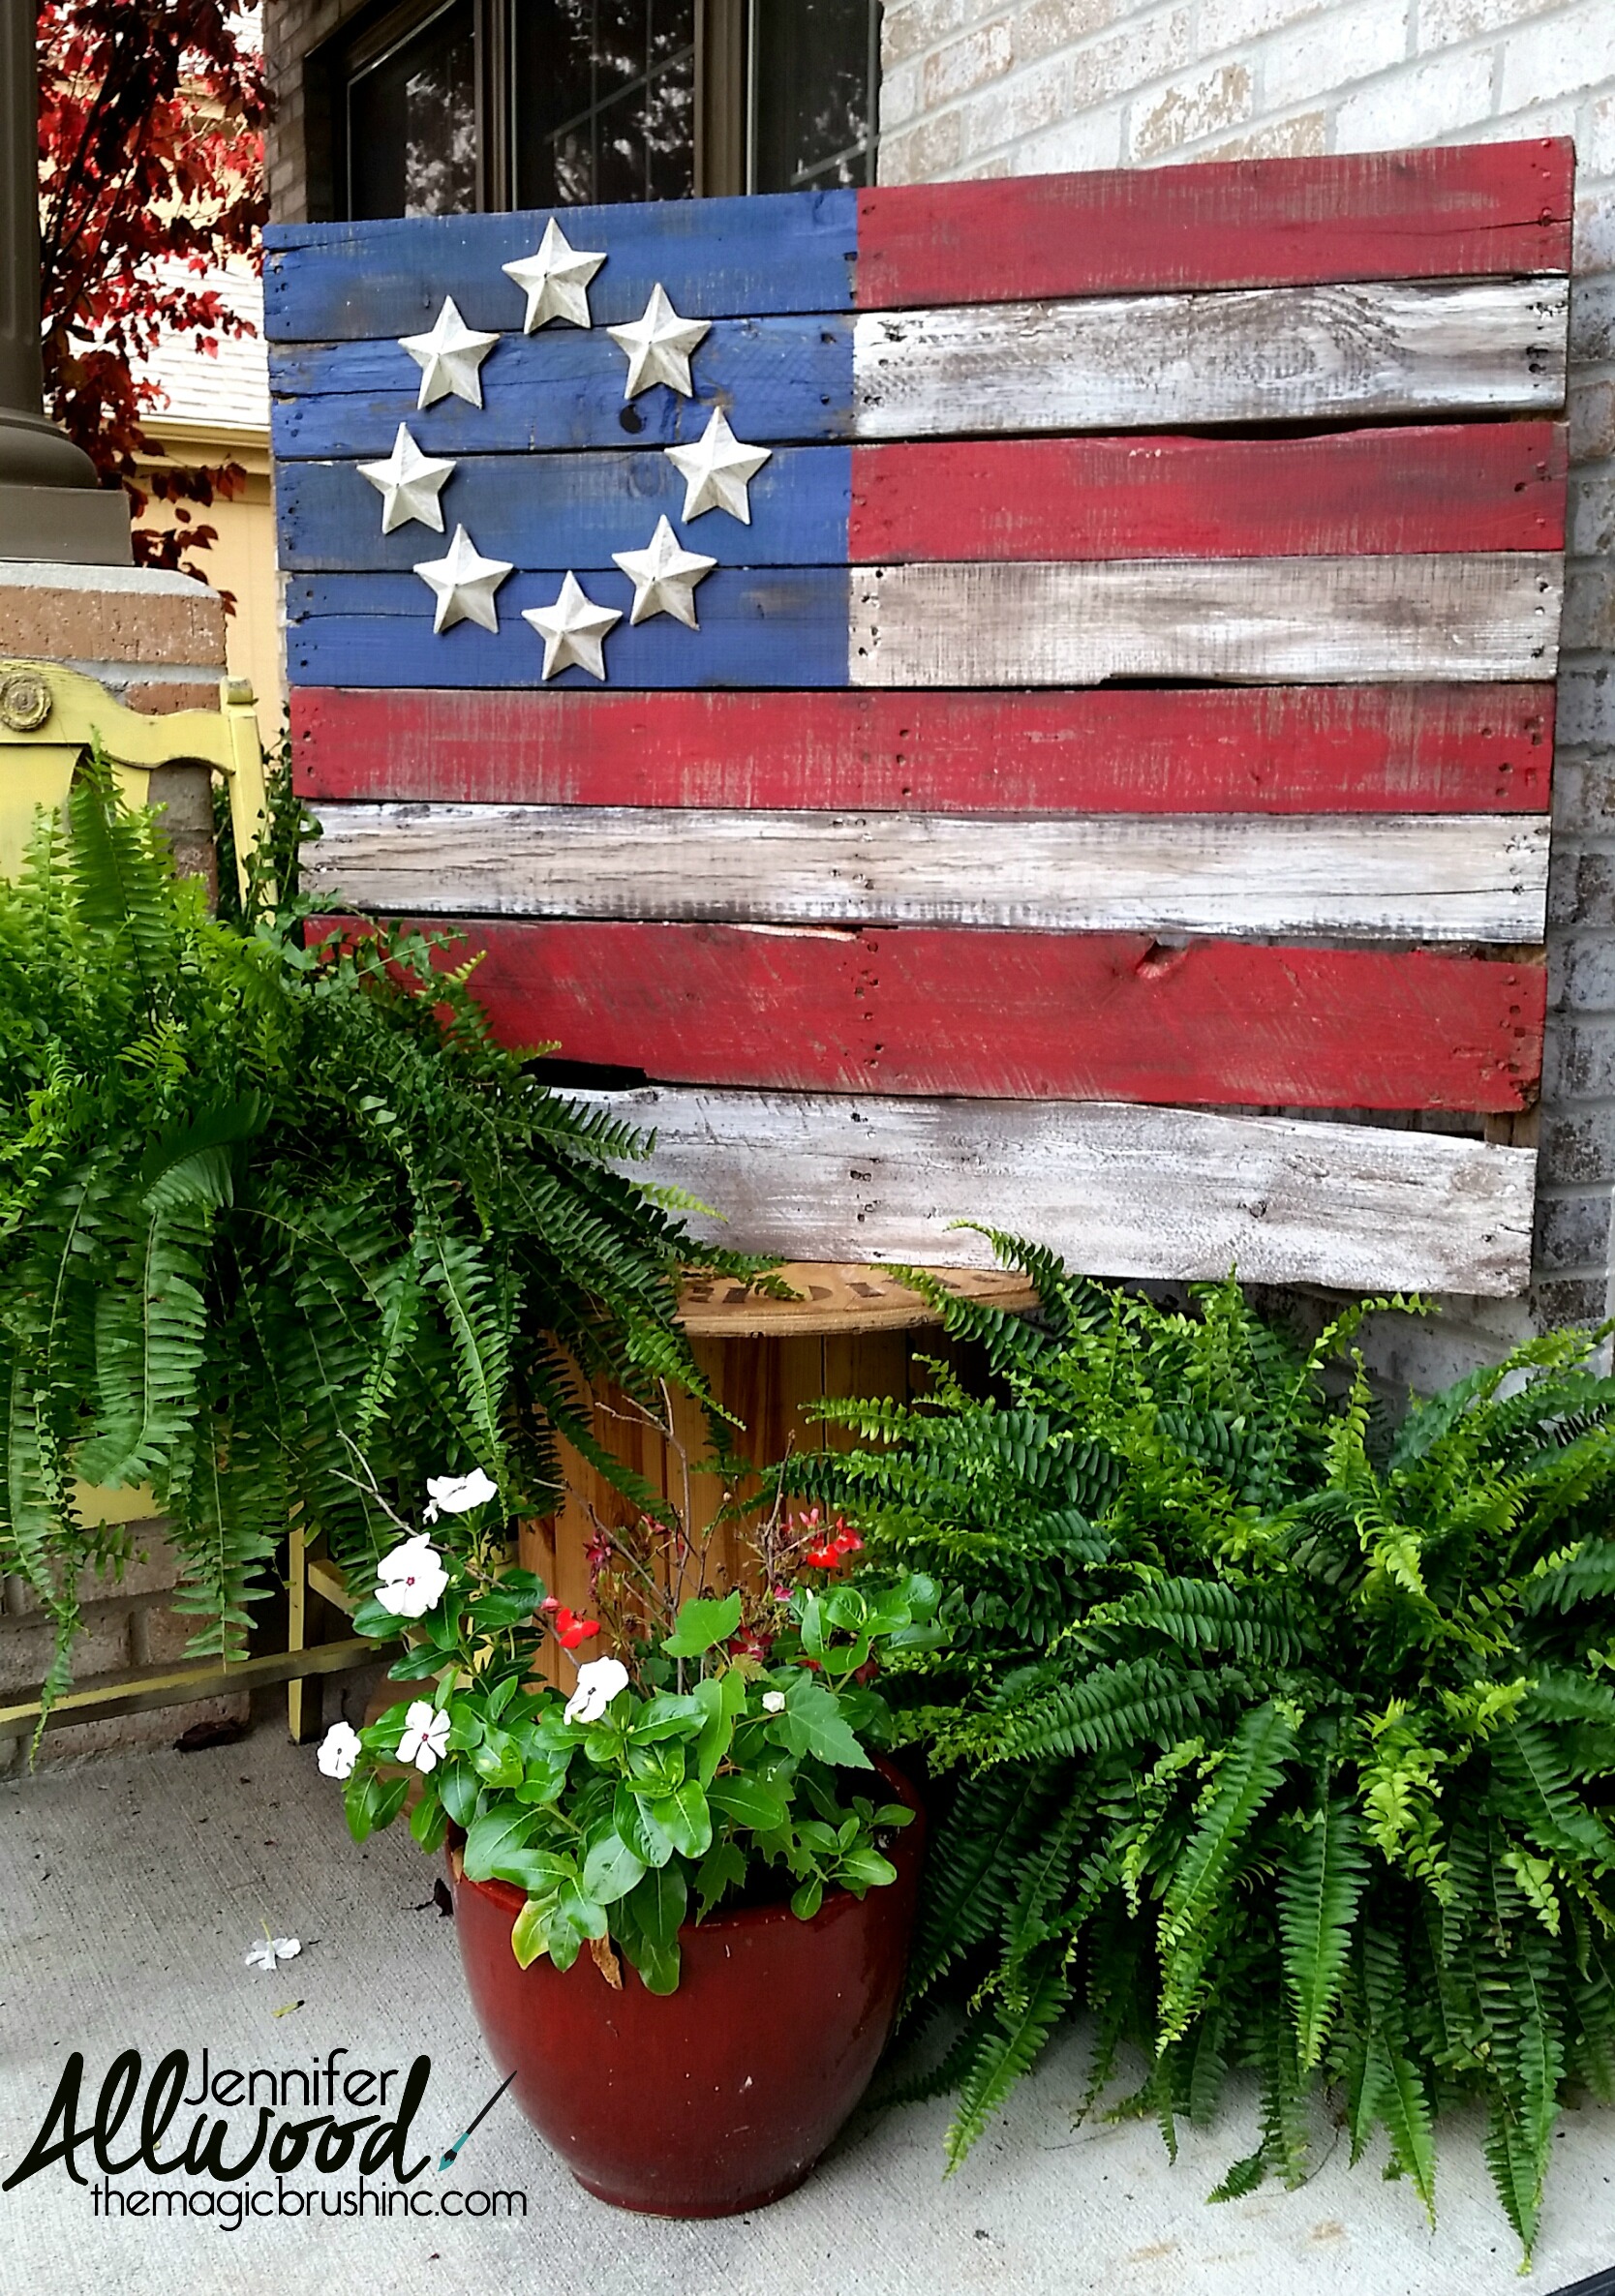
x=724, y=1868
x=686, y=1819
x=530, y=1932
x=458, y=1791
x=640, y=1828
x=759, y=1803
x=429, y=1823
x=653, y=1913
x=1321, y=1881
x=859, y=1870
x=817, y=1714
x=492, y=1837
x=807, y=1900
x=611, y=1869
x=374, y=1620
x=720, y=1698
x=701, y=1623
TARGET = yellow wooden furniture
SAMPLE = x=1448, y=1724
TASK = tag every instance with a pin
x=50, y=715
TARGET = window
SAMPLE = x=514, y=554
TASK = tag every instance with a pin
x=440, y=107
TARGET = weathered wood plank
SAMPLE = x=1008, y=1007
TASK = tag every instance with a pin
x=552, y=511
x=1258, y=356
x=1019, y=1015
x=1357, y=619
x=1120, y=1191
x=1468, y=209
x=717, y=257
x=1275, y=749
x=777, y=626
x=1462, y=487
x=1444, y=877
x=1497, y=486
x=785, y=379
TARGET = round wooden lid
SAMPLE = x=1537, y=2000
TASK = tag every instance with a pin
x=834, y=1299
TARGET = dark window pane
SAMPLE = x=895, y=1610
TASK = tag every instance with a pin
x=411, y=122
x=605, y=102
x=814, y=65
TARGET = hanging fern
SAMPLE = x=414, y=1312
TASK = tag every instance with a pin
x=1275, y=1735
x=271, y=1216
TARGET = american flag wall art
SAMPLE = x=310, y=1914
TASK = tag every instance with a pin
x=1028, y=700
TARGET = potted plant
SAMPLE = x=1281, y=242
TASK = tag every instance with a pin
x=1280, y=1732
x=269, y=1209
x=684, y=1893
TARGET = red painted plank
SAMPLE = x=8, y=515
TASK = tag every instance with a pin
x=1286, y=749
x=1491, y=486
x=1019, y=1015
x=1465, y=211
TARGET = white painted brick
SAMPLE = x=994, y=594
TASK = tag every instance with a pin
x=967, y=64
x=1586, y=717
x=1416, y=105
x=1571, y=50
x=924, y=152
x=1441, y=22
x=899, y=96
x=1232, y=23
x=1052, y=27
x=908, y=27
x=1595, y=230
x=1591, y=407
x=1016, y=108
x=1595, y=143
x=1593, y=321
x=1589, y=623
x=1592, y=526
x=1305, y=136
x=1090, y=139
x=1189, y=111
x=1146, y=51
x=1345, y=44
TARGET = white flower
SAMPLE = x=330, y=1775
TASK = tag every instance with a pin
x=453, y=1495
x=425, y=1738
x=774, y=1701
x=339, y=1749
x=598, y=1683
x=412, y=1579
x=269, y=1949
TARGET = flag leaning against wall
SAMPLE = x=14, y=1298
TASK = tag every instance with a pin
x=1028, y=700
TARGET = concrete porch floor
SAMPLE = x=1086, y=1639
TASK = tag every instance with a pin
x=131, y=1886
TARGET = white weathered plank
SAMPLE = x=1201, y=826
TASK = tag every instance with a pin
x=1322, y=621
x=1262, y=354
x=1118, y=1191
x=1401, y=877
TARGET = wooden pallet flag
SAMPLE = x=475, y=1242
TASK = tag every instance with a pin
x=1028, y=700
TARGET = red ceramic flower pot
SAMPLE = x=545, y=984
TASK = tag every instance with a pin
x=719, y=2097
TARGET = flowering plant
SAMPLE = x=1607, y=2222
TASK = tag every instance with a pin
x=715, y=1760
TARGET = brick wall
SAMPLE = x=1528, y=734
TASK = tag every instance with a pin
x=299, y=142
x=989, y=87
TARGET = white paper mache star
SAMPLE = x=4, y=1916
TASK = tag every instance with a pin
x=409, y=483
x=664, y=575
x=450, y=358
x=464, y=583
x=554, y=280
x=573, y=630
x=658, y=347
x=718, y=470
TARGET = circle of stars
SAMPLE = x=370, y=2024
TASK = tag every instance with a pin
x=718, y=469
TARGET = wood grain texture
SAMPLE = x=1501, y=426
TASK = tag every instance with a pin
x=1445, y=877
x=1019, y=1015
x=717, y=257
x=561, y=388
x=1497, y=486
x=1358, y=619
x=555, y=511
x=835, y=1301
x=773, y=626
x=1302, y=749
x=1260, y=355
x=1464, y=210
x=1118, y=1191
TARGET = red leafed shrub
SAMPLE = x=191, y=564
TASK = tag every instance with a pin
x=151, y=173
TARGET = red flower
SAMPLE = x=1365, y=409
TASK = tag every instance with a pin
x=846, y=1540
x=822, y=1558
x=570, y=1630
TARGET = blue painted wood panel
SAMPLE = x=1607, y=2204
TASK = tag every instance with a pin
x=555, y=511
x=759, y=627
x=791, y=251
x=777, y=378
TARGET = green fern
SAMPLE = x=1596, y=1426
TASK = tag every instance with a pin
x=1280, y=1737
x=271, y=1212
